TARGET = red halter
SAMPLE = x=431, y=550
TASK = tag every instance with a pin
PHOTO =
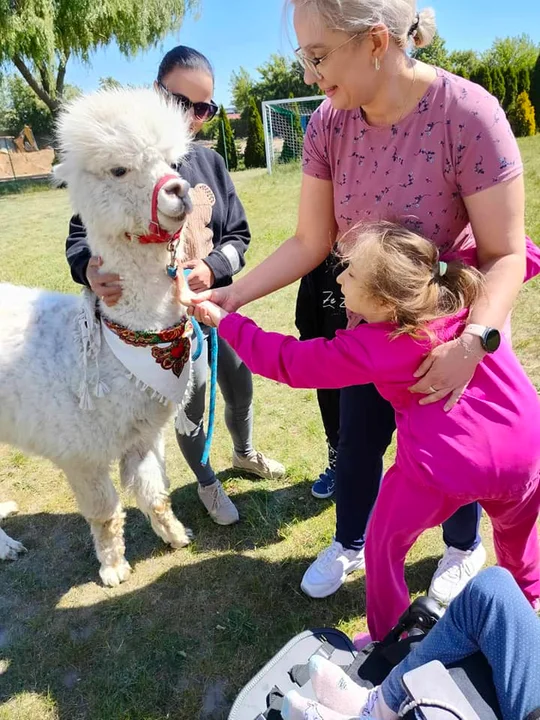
x=156, y=233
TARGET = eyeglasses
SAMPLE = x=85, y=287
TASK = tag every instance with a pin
x=202, y=110
x=311, y=64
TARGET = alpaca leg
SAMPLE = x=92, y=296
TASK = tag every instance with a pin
x=9, y=549
x=99, y=504
x=142, y=470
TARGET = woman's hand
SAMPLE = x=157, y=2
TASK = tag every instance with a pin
x=201, y=277
x=105, y=285
x=448, y=370
x=209, y=313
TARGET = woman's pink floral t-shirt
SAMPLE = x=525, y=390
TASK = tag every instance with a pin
x=456, y=143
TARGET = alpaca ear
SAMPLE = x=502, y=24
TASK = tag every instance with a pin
x=59, y=175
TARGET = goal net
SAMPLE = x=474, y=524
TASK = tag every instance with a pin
x=285, y=122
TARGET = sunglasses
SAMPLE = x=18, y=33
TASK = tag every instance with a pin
x=202, y=111
x=311, y=64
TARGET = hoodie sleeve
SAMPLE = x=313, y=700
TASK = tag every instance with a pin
x=227, y=257
x=77, y=251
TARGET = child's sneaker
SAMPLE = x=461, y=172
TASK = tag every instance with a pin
x=324, y=487
x=328, y=572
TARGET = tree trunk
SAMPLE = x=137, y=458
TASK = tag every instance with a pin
x=51, y=102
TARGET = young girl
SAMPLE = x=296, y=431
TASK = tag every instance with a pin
x=486, y=449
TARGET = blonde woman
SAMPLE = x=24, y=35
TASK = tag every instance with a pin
x=398, y=140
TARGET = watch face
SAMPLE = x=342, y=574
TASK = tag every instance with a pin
x=491, y=340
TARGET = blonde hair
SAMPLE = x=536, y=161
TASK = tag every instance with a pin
x=401, y=18
x=404, y=273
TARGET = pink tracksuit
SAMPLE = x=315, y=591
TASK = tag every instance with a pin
x=486, y=449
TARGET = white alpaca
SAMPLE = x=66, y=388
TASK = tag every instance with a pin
x=63, y=393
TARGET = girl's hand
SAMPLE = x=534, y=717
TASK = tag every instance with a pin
x=224, y=297
x=209, y=313
x=448, y=370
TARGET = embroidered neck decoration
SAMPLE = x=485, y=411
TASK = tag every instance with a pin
x=158, y=360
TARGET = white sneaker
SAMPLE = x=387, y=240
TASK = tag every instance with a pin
x=220, y=507
x=327, y=574
x=258, y=464
x=456, y=568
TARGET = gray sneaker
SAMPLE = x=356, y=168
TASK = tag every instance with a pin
x=258, y=464
x=220, y=507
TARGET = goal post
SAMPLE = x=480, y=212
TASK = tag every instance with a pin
x=285, y=123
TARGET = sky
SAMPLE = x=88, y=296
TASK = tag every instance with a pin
x=234, y=33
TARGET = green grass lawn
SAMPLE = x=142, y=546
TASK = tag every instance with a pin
x=191, y=626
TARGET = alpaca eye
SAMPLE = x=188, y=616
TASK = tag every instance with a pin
x=119, y=172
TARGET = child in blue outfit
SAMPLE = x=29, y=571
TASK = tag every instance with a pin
x=491, y=615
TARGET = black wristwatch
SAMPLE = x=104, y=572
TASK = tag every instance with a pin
x=490, y=338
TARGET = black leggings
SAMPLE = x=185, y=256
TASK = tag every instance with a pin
x=367, y=423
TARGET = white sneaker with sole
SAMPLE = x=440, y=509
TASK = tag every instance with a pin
x=327, y=574
x=220, y=507
x=456, y=568
x=258, y=464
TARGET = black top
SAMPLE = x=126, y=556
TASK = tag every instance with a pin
x=231, y=235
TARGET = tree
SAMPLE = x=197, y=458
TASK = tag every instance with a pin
x=464, y=63
x=434, y=54
x=39, y=36
x=535, y=89
x=512, y=52
x=483, y=77
x=280, y=77
x=109, y=83
x=499, y=87
x=241, y=85
x=255, y=155
x=226, y=145
x=20, y=106
x=521, y=116
x=511, y=85
x=524, y=81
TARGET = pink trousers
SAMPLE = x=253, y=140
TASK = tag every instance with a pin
x=406, y=507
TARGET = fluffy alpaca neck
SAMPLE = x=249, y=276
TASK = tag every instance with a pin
x=148, y=299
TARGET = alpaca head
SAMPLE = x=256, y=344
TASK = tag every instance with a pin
x=115, y=147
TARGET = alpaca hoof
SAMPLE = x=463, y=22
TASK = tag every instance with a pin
x=8, y=508
x=112, y=576
x=10, y=549
x=180, y=540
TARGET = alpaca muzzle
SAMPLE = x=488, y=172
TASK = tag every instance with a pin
x=170, y=198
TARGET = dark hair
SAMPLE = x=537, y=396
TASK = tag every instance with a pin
x=185, y=58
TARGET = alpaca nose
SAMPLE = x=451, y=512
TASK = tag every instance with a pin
x=176, y=188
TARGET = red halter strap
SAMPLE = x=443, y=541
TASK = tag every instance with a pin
x=156, y=234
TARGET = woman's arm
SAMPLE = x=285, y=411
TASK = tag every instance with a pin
x=85, y=269
x=313, y=240
x=497, y=217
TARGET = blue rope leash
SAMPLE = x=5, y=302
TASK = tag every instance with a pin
x=213, y=378
x=213, y=393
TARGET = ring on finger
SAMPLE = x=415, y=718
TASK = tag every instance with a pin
x=432, y=389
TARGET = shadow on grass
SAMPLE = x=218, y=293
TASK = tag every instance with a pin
x=179, y=648
x=265, y=515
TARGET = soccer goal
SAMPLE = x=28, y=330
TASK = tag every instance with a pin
x=285, y=122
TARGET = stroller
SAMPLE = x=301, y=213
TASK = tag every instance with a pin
x=467, y=686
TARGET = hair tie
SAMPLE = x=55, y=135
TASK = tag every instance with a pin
x=414, y=27
x=443, y=267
